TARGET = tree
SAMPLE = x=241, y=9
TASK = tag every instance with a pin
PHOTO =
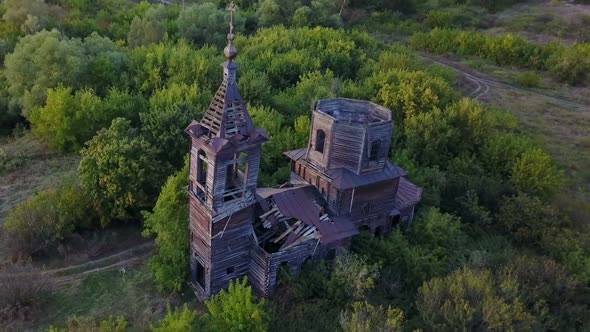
x=527, y=219
x=535, y=173
x=30, y=15
x=469, y=300
x=118, y=171
x=42, y=61
x=207, y=24
x=352, y=278
x=171, y=109
x=177, y=320
x=364, y=317
x=269, y=13
x=144, y=31
x=70, y=119
x=237, y=310
x=169, y=223
x=553, y=295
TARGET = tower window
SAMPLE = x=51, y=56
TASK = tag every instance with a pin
x=230, y=270
x=375, y=150
x=202, y=166
x=320, y=139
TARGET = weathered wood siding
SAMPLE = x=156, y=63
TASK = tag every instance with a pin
x=323, y=122
x=347, y=146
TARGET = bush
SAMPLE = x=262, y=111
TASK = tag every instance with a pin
x=47, y=218
x=528, y=79
x=23, y=288
x=177, y=320
x=237, y=309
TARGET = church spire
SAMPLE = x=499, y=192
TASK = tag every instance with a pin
x=227, y=115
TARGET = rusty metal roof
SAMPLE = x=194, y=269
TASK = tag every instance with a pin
x=305, y=203
x=343, y=179
x=408, y=194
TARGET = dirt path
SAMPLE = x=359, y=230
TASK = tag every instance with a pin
x=123, y=259
x=484, y=83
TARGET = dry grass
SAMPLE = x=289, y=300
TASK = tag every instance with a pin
x=42, y=168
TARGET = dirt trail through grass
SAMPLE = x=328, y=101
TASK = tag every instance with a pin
x=483, y=82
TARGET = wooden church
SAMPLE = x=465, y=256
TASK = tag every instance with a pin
x=340, y=184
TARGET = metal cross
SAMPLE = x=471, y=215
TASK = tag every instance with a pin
x=232, y=10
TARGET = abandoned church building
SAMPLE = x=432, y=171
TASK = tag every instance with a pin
x=340, y=184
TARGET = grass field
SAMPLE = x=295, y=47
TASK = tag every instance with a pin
x=130, y=293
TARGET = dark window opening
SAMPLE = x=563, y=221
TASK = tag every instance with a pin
x=230, y=270
x=331, y=254
x=367, y=208
x=375, y=150
x=320, y=139
x=364, y=228
x=395, y=221
x=202, y=167
x=200, y=274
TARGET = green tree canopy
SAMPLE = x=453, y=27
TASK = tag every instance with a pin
x=118, y=171
x=237, y=310
x=169, y=223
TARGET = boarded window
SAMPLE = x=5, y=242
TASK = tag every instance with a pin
x=375, y=150
x=320, y=139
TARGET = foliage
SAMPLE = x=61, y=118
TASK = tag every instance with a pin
x=144, y=31
x=528, y=79
x=366, y=317
x=554, y=296
x=118, y=171
x=237, y=309
x=177, y=320
x=469, y=299
x=205, y=23
x=169, y=222
x=112, y=324
x=528, y=218
x=70, y=119
x=42, y=61
x=566, y=63
x=352, y=277
x=171, y=109
x=47, y=218
x=535, y=173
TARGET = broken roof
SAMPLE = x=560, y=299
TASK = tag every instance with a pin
x=293, y=215
x=360, y=111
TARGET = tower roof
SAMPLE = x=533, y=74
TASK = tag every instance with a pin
x=227, y=115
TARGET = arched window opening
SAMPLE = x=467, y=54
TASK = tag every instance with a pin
x=375, y=150
x=320, y=140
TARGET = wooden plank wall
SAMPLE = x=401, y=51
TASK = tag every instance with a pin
x=259, y=270
x=383, y=132
x=230, y=248
x=347, y=145
x=325, y=123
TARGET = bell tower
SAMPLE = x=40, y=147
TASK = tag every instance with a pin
x=224, y=165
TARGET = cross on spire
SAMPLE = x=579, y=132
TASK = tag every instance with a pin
x=230, y=50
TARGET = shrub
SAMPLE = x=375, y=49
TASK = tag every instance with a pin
x=237, y=309
x=177, y=320
x=528, y=79
x=47, y=217
x=22, y=287
x=366, y=317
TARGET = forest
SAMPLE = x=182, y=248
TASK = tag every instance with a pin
x=95, y=96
